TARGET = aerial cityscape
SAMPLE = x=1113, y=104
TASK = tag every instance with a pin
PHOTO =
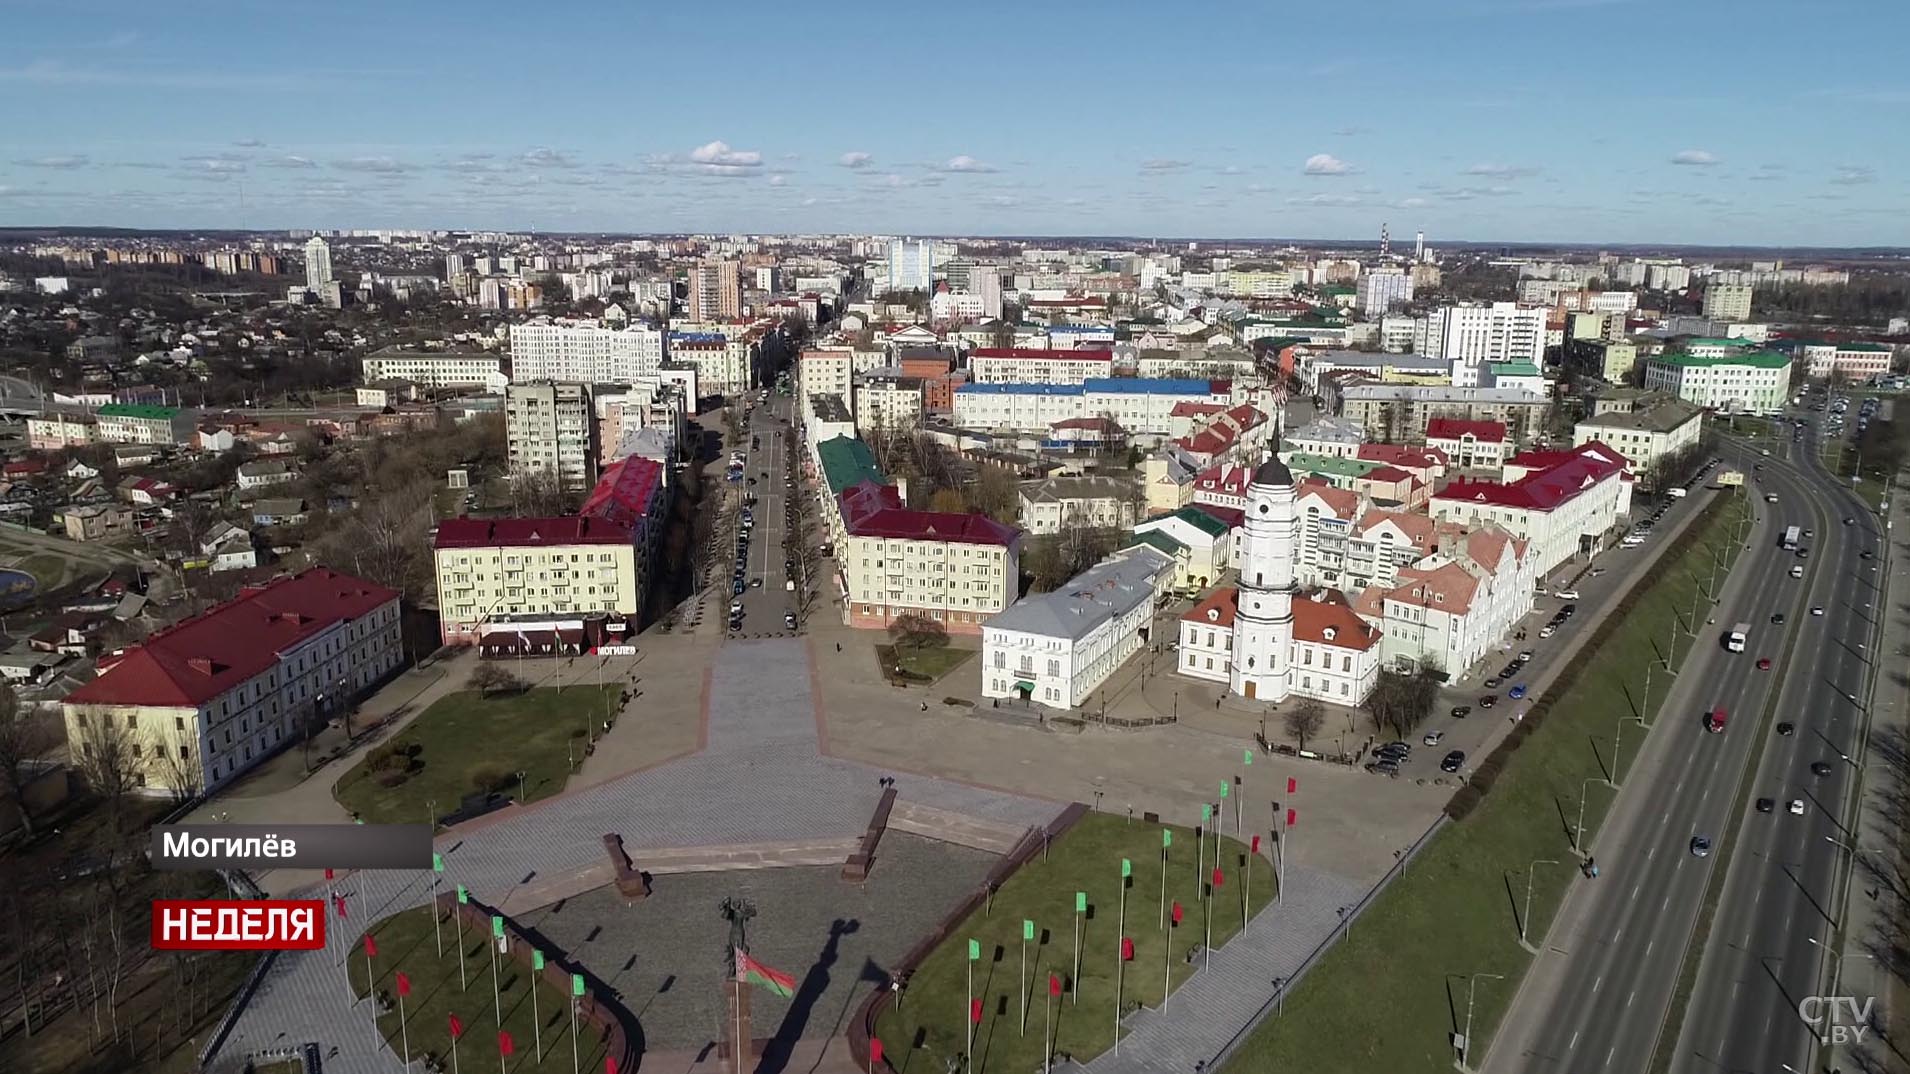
x=776, y=567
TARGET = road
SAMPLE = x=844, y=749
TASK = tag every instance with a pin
x=1597, y=996
x=764, y=605
x=1785, y=881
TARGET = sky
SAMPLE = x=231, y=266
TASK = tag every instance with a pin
x=1754, y=122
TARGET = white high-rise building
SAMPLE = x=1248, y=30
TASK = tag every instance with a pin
x=1727, y=301
x=911, y=264
x=986, y=282
x=549, y=428
x=318, y=264
x=1472, y=336
x=1263, y=618
x=1381, y=290
x=585, y=351
x=453, y=266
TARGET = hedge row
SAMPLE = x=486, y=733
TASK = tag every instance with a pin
x=1468, y=796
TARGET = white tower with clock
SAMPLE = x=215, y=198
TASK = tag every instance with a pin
x=1263, y=618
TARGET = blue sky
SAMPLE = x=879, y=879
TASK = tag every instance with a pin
x=1516, y=120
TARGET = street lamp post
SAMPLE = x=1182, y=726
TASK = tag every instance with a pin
x=1617, y=738
x=1836, y=961
x=1525, y=919
x=1465, y=1040
x=1578, y=831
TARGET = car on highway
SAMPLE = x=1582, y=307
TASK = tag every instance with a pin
x=1850, y=522
x=1803, y=553
x=1797, y=807
x=789, y=620
x=1453, y=761
x=1777, y=618
x=1716, y=719
x=1764, y=663
x=1866, y=554
x=1817, y=611
x=1460, y=712
x=1786, y=729
x=1488, y=701
x=1765, y=805
x=1797, y=571
x=1820, y=768
x=1517, y=693
x=1700, y=846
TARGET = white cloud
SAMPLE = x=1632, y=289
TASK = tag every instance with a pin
x=1350, y=132
x=855, y=158
x=1162, y=164
x=966, y=163
x=1695, y=158
x=289, y=160
x=1413, y=203
x=1327, y=164
x=1502, y=171
x=1854, y=175
x=777, y=180
x=543, y=157
x=218, y=165
x=1327, y=200
x=249, y=143
x=718, y=158
x=76, y=160
x=378, y=165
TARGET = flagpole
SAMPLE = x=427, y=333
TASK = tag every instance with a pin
x=497, y=998
x=537, y=1022
x=1047, y=1035
x=437, y=920
x=968, y=1019
x=371, y=986
x=1167, y=968
x=1207, y=948
x=573, y=1033
x=404, y=1032
x=1200, y=852
x=1166, y=837
x=454, y=1053
x=1246, y=887
x=1120, y=963
x=1074, y=992
x=1022, y=983
x=464, y=984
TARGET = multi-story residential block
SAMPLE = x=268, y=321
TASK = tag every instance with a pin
x=1845, y=361
x=52, y=432
x=199, y=703
x=1017, y=365
x=1095, y=501
x=1561, y=502
x=1612, y=361
x=888, y=400
x=1400, y=413
x=1057, y=648
x=956, y=569
x=586, y=352
x=1140, y=407
x=1382, y=290
x=134, y=423
x=1756, y=382
x=715, y=292
x=551, y=428
x=911, y=264
x=1470, y=336
x=1727, y=301
x=1336, y=437
x=725, y=361
x=1202, y=544
x=436, y=369
x=594, y=564
x=1454, y=607
x=832, y=372
x=1644, y=430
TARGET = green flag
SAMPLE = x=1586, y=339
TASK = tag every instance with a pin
x=1223, y=788
x=463, y=895
x=576, y=984
x=1246, y=758
x=437, y=863
x=1027, y=929
x=1127, y=868
x=1206, y=811
x=974, y=950
x=1080, y=902
x=1167, y=838
x=497, y=926
x=537, y=960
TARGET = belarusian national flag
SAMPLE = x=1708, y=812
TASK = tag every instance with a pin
x=875, y=1051
x=1127, y=949
x=975, y=1011
x=1054, y=985
x=750, y=971
x=1177, y=913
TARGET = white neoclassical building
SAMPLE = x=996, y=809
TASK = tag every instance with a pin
x=1057, y=648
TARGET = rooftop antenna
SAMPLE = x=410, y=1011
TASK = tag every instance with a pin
x=1385, y=242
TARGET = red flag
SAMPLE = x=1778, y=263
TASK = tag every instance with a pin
x=1256, y=844
x=610, y=1061
x=404, y=984
x=1127, y=949
x=457, y=1027
x=975, y=1011
x=1219, y=877
x=1293, y=785
x=505, y=1045
x=371, y=946
x=875, y=1050
x=1054, y=985
x=328, y=874
x=1177, y=913
x=338, y=905
x=1292, y=816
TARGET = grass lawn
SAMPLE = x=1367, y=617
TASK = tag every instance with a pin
x=920, y=665
x=1387, y=997
x=538, y=732
x=407, y=942
x=1841, y=458
x=1088, y=858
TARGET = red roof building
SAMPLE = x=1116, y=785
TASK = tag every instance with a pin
x=957, y=568
x=229, y=686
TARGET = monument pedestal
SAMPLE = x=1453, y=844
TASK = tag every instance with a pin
x=737, y=1050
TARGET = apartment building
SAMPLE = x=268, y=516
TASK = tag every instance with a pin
x=957, y=569
x=1469, y=445
x=595, y=563
x=1751, y=381
x=1401, y=413
x=1845, y=361
x=1027, y=365
x=200, y=702
x=1454, y=607
x=551, y=428
x=1383, y=290
x=436, y=369
x=1560, y=502
x=832, y=372
x=887, y=399
x=1727, y=301
x=1095, y=501
x=1139, y=406
x=724, y=361
x=588, y=352
x=52, y=432
x=1057, y=648
x=1643, y=430
x=1471, y=336
x=715, y=292
x=134, y=423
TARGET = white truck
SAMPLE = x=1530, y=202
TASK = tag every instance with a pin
x=1792, y=534
x=1735, y=638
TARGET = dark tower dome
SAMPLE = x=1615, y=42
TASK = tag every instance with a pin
x=1273, y=472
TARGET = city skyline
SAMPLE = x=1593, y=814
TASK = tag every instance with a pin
x=1093, y=123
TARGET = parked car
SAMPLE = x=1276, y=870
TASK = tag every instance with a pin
x=1567, y=594
x=1460, y=712
x=1488, y=701
x=1433, y=737
x=1453, y=761
x=1517, y=693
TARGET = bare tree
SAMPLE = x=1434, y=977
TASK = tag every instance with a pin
x=172, y=764
x=916, y=631
x=1305, y=720
x=538, y=493
x=386, y=540
x=22, y=740
x=493, y=678
x=106, y=753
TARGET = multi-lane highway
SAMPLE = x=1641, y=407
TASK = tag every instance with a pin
x=1784, y=885
x=1598, y=995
